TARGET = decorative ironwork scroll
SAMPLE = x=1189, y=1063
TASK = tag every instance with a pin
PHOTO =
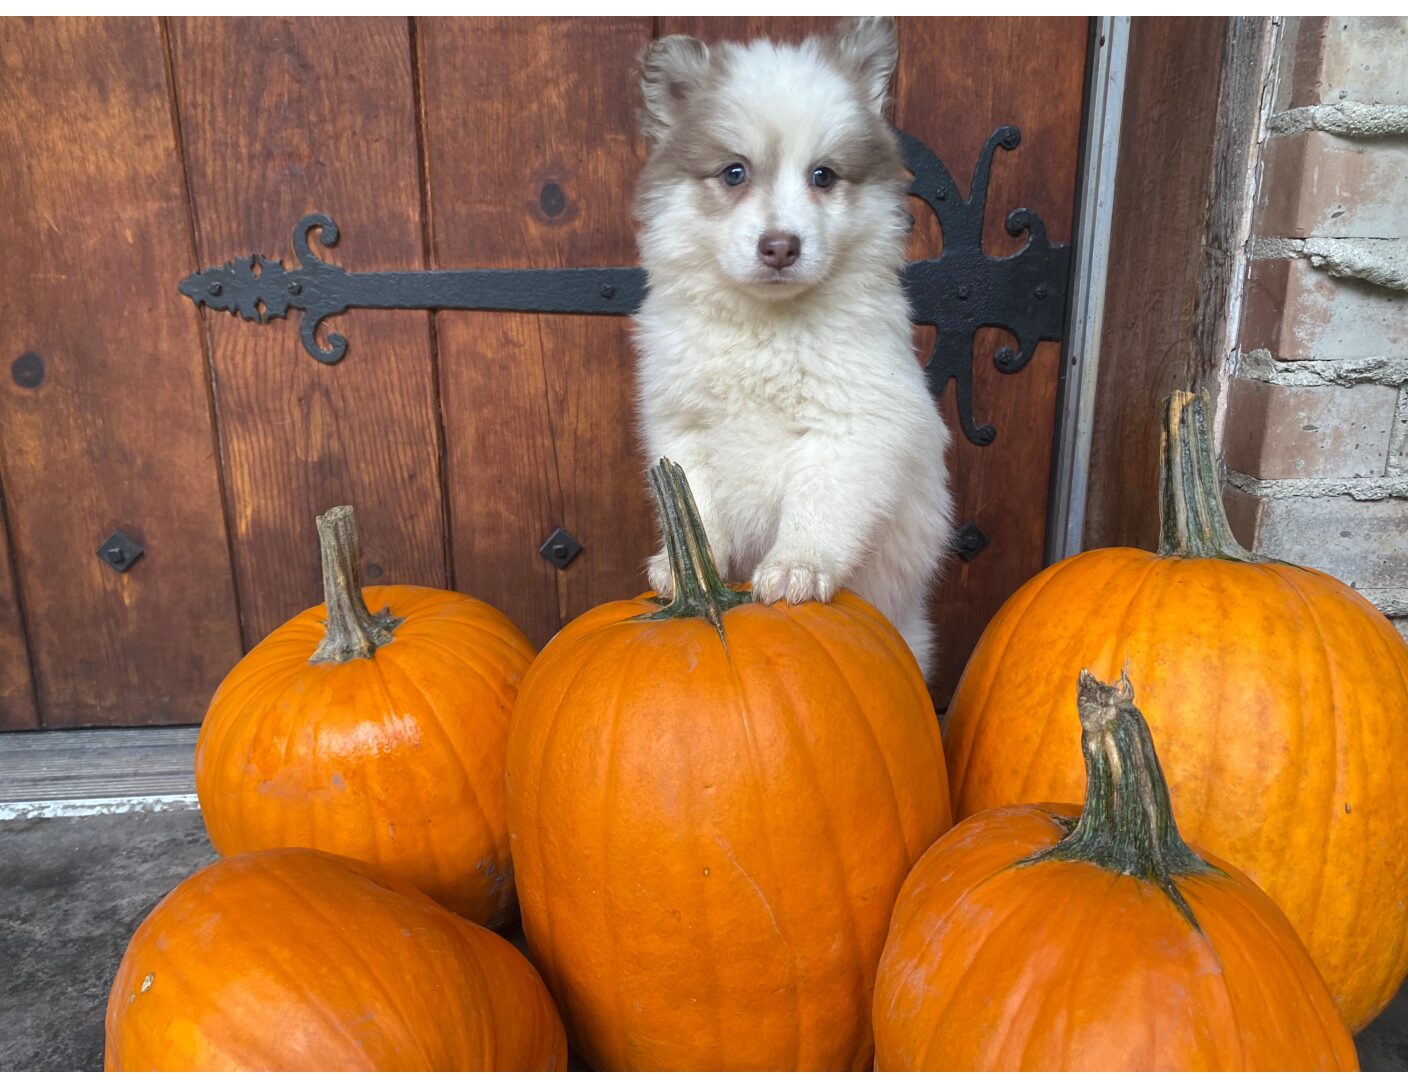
x=964, y=289
x=958, y=292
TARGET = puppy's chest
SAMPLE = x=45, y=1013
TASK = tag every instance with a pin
x=772, y=396
x=780, y=380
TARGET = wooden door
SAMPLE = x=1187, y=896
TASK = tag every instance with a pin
x=106, y=415
x=133, y=151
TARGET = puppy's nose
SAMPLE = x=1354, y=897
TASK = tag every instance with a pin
x=779, y=250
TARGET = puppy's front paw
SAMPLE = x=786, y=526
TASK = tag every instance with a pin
x=657, y=570
x=793, y=579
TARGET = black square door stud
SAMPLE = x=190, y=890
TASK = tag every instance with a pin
x=560, y=548
x=119, y=551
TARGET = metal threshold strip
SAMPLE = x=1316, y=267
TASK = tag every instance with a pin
x=1094, y=216
x=89, y=772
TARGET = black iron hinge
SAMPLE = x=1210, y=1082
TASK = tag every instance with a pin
x=958, y=292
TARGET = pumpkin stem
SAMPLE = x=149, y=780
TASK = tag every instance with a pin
x=696, y=586
x=1127, y=823
x=352, y=631
x=1193, y=519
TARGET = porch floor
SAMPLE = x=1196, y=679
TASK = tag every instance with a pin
x=75, y=888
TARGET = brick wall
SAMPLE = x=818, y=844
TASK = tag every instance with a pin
x=1316, y=429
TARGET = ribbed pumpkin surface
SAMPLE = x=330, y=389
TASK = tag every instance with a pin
x=1279, y=703
x=1050, y=937
x=295, y=960
x=396, y=759
x=710, y=825
x=1065, y=966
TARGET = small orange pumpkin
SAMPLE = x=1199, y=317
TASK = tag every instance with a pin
x=374, y=728
x=1046, y=937
x=296, y=960
x=1279, y=694
x=713, y=804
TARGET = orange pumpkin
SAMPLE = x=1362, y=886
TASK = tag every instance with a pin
x=712, y=805
x=1046, y=937
x=296, y=960
x=374, y=728
x=1279, y=694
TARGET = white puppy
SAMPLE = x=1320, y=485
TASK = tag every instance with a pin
x=776, y=358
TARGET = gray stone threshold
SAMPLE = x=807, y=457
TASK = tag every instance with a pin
x=88, y=772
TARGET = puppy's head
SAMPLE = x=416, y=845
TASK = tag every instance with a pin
x=771, y=166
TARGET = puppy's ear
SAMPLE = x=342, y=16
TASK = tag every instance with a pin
x=867, y=48
x=669, y=69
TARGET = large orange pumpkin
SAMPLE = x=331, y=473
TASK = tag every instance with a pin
x=373, y=727
x=296, y=960
x=1046, y=937
x=712, y=805
x=1280, y=697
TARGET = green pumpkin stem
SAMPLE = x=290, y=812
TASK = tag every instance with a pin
x=352, y=631
x=1193, y=519
x=1127, y=823
x=697, y=589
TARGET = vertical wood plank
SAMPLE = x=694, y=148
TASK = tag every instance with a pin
x=113, y=428
x=958, y=80
x=281, y=117
x=1181, y=174
x=531, y=156
x=17, y=706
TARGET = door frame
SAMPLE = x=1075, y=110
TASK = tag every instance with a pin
x=1090, y=262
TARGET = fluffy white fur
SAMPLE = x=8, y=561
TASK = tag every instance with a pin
x=792, y=398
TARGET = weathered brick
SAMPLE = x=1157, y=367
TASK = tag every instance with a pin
x=1356, y=59
x=1243, y=515
x=1298, y=60
x=1281, y=432
x=1314, y=183
x=1298, y=312
x=1360, y=543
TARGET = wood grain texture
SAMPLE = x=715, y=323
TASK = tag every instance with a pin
x=281, y=117
x=1162, y=202
x=958, y=80
x=741, y=28
x=118, y=434
x=539, y=412
x=17, y=706
x=1246, y=69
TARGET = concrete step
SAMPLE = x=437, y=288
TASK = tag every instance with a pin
x=81, y=772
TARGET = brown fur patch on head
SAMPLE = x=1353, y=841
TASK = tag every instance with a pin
x=870, y=155
x=685, y=129
x=866, y=48
x=670, y=69
x=701, y=142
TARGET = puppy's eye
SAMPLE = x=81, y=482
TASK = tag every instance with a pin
x=823, y=176
x=736, y=174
